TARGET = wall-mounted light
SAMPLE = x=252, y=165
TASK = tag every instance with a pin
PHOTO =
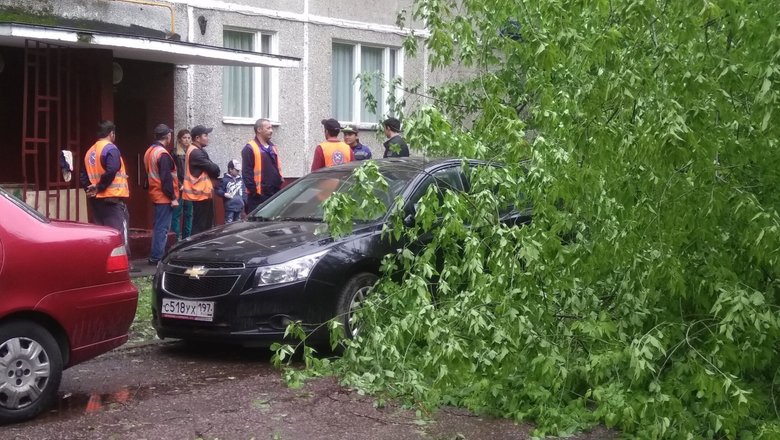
x=117, y=73
x=202, y=23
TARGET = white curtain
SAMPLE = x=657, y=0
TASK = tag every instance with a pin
x=371, y=62
x=238, y=82
x=265, y=79
x=393, y=76
x=343, y=77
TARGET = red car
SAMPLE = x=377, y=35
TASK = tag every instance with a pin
x=65, y=297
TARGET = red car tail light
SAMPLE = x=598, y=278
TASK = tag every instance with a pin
x=117, y=261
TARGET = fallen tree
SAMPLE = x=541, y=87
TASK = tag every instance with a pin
x=644, y=295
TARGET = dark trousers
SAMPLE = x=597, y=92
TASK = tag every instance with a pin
x=112, y=212
x=162, y=224
x=202, y=216
x=255, y=200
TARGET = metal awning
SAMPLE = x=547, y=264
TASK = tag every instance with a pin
x=136, y=47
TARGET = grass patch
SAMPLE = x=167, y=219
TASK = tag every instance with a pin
x=141, y=329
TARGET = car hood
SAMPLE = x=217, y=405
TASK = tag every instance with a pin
x=253, y=243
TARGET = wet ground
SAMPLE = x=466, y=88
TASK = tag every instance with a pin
x=174, y=391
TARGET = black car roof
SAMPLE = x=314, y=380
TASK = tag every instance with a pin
x=400, y=164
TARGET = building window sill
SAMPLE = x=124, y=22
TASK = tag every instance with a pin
x=234, y=120
x=361, y=125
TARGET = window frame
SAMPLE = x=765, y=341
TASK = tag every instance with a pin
x=357, y=96
x=257, y=79
x=431, y=178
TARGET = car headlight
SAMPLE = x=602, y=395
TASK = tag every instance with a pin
x=287, y=272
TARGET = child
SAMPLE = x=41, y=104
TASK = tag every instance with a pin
x=231, y=188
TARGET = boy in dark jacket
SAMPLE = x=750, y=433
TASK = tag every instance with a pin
x=231, y=189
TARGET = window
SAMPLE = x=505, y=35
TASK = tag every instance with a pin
x=249, y=92
x=351, y=60
x=446, y=179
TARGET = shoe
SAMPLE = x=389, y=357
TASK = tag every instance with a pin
x=153, y=262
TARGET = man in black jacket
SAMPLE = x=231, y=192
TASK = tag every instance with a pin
x=199, y=162
x=395, y=146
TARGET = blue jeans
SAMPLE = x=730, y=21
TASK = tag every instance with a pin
x=232, y=216
x=162, y=224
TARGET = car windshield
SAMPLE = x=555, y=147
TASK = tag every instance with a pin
x=303, y=200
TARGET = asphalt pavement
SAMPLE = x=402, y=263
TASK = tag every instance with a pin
x=142, y=268
x=170, y=390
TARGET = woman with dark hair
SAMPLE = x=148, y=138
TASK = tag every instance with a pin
x=183, y=140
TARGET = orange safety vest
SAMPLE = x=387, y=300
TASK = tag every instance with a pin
x=118, y=187
x=152, y=163
x=259, y=162
x=195, y=189
x=336, y=153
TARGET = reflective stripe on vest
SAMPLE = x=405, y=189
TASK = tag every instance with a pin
x=95, y=169
x=195, y=189
x=258, y=170
x=336, y=153
x=152, y=164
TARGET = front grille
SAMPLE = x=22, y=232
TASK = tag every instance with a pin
x=207, y=265
x=203, y=287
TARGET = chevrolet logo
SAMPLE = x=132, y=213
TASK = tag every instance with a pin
x=195, y=272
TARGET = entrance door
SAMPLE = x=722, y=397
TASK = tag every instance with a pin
x=50, y=124
x=142, y=99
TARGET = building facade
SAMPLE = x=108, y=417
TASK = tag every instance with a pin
x=222, y=64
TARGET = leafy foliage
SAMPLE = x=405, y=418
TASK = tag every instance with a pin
x=645, y=293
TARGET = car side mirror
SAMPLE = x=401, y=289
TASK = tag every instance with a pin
x=409, y=220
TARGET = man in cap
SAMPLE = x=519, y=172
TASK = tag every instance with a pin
x=104, y=178
x=395, y=145
x=198, y=174
x=333, y=151
x=163, y=184
x=261, y=169
x=359, y=151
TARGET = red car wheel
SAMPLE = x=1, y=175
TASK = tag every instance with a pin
x=30, y=370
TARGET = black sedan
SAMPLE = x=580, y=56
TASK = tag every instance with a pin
x=245, y=282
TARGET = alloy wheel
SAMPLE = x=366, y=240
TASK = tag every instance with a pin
x=24, y=372
x=357, y=301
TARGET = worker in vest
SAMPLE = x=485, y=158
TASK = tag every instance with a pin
x=333, y=151
x=261, y=170
x=198, y=174
x=163, y=185
x=104, y=178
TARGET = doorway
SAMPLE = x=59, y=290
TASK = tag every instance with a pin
x=143, y=98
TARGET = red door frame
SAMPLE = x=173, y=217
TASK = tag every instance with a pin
x=50, y=121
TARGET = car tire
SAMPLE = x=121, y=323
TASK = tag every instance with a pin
x=30, y=370
x=352, y=295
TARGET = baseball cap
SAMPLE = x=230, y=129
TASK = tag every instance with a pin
x=234, y=164
x=350, y=129
x=331, y=124
x=162, y=130
x=393, y=124
x=199, y=130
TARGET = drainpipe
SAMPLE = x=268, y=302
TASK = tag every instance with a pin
x=151, y=3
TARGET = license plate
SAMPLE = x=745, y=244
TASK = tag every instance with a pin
x=182, y=309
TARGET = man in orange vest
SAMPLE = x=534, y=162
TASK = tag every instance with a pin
x=261, y=169
x=104, y=178
x=333, y=151
x=163, y=182
x=198, y=187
